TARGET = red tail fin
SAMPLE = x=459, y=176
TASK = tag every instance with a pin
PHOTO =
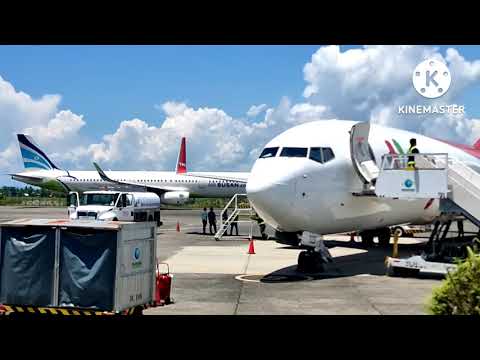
x=182, y=159
x=477, y=144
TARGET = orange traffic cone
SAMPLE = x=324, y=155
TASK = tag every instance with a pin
x=178, y=226
x=251, y=248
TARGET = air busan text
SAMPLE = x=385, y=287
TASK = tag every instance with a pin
x=431, y=109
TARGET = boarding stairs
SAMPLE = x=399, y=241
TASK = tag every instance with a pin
x=436, y=176
x=240, y=206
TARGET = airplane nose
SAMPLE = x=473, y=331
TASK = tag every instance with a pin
x=269, y=195
x=258, y=187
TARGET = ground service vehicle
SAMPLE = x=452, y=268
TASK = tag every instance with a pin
x=70, y=267
x=114, y=206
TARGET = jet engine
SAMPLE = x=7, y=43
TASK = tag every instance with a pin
x=175, y=197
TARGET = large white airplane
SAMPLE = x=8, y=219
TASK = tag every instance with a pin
x=307, y=179
x=174, y=187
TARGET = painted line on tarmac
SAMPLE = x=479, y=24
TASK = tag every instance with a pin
x=181, y=228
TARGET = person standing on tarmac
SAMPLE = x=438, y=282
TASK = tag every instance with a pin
x=224, y=220
x=212, y=220
x=261, y=225
x=204, y=220
x=412, y=150
x=234, y=225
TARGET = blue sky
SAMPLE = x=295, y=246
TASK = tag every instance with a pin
x=103, y=89
x=108, y=84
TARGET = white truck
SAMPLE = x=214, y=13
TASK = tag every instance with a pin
x=114, y=206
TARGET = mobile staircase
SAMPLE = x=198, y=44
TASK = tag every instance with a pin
x=240, y=207
x=435, y=176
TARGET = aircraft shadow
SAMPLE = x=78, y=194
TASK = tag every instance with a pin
x=369, y=262
x=234, y=237
x=199, y=233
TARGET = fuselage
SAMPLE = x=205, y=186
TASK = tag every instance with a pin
x=197, y=186
x=300, y=194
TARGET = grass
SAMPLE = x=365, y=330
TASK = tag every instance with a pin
x=197, y=203
x=33, y=201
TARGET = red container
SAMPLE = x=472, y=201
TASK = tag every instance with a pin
x=163, y=286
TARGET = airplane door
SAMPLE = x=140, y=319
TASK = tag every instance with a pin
x=361, y=153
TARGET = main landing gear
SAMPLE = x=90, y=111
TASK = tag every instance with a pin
x=383, y=235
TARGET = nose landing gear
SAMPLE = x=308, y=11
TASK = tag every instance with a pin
x=315, y=257
x=310, y=262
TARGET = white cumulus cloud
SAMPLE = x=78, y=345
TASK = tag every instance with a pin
x=370, y=83
x=256, y=110
x=41, y=118
x=215, y=140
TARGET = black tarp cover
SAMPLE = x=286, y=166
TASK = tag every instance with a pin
x=26, y=266
x=87, y=268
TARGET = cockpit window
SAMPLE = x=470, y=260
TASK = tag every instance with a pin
x=327, y=154
x=321, y=155
x=294, y=152
x=316, y=154
x=269, y=152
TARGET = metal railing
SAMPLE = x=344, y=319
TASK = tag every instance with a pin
x=238, y=208
x=427, y=161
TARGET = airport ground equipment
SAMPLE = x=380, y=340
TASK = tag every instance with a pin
x=114, y=206
x=456, y=185
x=238, y=206
x=409, y=230
x=77, y=267
x=163, y=287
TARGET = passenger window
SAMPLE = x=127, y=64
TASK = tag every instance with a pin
x=294, y=152
x=269, y=152
x=129, y=199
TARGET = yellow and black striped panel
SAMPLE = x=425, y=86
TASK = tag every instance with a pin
x=34, y=310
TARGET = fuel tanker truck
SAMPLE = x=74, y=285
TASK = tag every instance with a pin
x=114, y=206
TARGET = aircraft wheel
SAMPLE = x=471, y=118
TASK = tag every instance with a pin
x=309, y=262
x=384, y=237
x=367, y=238
x=401, y=232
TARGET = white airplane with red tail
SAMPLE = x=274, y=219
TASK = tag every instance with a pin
x=173, y=187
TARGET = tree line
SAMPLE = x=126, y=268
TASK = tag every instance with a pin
x=12, y=191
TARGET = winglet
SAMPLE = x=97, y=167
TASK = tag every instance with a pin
x=182, y=158
x=102, y=174
x=391, y=150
